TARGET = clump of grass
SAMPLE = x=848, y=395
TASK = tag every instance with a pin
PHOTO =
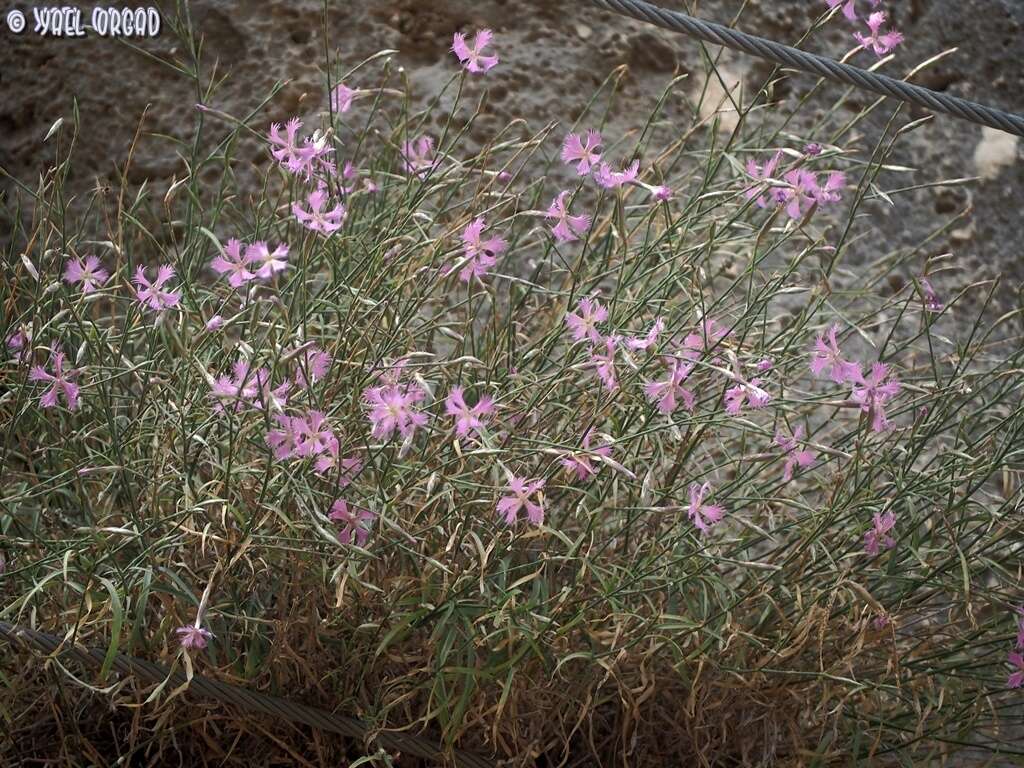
x=585, y=490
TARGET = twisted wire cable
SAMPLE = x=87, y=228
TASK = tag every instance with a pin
x=812, y=63
x=242, y=698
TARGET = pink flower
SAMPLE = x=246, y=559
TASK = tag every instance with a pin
x=392, y=407
x=331, y=460
x=795, y=457
x=827, y=359
x=709, y=335
x=214, y=323
x=19, y=339
x=814, y=148
x=765, y=365
x=356, y=522
x=610, y=179
x=234, y=264
x=603, y=362
x=313, y=366
x=266, y=396
x=829, y=192
x=798, y=191
x=20, y=342
x=267, y=263
x=873, y=392
x=59, y=379
x=932, y=303
x=661, y=193
x=286, y=149
x=584, y=325
x=801, y=194
x=580, y=463
x=519, y=491
x=704, y=516
x=670, y=391
x=638, y=343
x=482, y=253
x=585, y=154
x=881, y=43
x=392, y=373
x=284, y=442
x=86, y=271
x=1016, y=678
x=153, y=294
x=193, y=637
x=749, y=392
x=314, y=435
x=878, y=535
x=567, y=227
x=418, y=156
x=314, y=156
x=472, y=58
x=316, y=218
x=306, y=157
x=249, y=386
x=468, y=419
x=342, y=97
x=849, y=10
x=239, y=389
x=762, y=174
x=351, y=180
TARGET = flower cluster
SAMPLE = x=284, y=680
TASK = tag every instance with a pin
x=878, y=41
x=584, y=152
x=605, y=349
x=393, y=404
x=309, y=157
x=248, y=388
x=310, y=160
x=871, y=392
x=797, y=191
x=540, y=407
x=257, y=261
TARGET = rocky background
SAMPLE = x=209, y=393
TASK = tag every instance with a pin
x=554, y=54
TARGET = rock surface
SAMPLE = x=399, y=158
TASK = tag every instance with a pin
x=554, y=55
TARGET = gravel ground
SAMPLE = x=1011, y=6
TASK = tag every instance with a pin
x=553, y=56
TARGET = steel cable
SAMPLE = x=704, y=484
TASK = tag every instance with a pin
x=241, y=698
x=794, y=58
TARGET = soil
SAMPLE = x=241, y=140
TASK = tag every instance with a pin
x=553, y=57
